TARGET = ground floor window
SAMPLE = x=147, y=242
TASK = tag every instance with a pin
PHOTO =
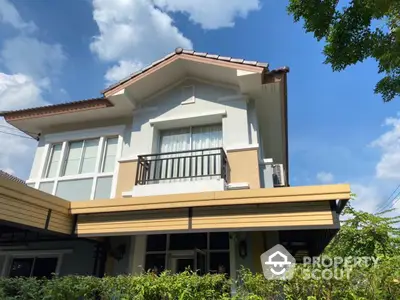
x=203, y=252
x=33, y=267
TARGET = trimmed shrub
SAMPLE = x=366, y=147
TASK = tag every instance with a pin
x=380, y=282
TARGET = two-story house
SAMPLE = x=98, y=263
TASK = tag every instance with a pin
x=183, y=163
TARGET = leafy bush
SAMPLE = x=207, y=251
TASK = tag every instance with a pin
x=377, y=282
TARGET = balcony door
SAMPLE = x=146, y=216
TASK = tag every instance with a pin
x=186, y=155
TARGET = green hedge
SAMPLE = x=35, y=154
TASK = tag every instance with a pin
x=378, y=282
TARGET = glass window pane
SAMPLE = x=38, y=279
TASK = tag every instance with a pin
x=44, y=267
x=157, y=242
x=46, y=187
x=188, y=241
x=73, y=158
x=219, y=241
x=74, y=190
x=103, y=188
x=21, y=267
x=89, y=156
x=155, y=263
x=54, y=160
x=110, y=155
x=206, y=137
x=219, y=263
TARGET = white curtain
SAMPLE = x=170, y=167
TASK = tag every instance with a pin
x=172, y=141
x=186, y=139
x=209, y=162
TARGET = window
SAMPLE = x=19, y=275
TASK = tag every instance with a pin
x=165, y=250
x=203, y=165
x=33, y=267
x=81, y=157
x=80, y=170
x=54, y=159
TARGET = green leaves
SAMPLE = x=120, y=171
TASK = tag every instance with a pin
x=362, y=29
x=378, y=282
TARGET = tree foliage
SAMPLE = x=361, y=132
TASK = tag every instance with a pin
x=352, y=36
x=365, y=234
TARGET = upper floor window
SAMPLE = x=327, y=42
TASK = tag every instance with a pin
x=80, y=170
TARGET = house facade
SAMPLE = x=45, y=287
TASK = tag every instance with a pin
x=184, y=163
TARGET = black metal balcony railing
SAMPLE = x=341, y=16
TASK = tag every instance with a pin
x=181, y=166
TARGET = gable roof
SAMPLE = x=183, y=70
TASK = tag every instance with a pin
x=103, y=102
x=11, y=177
x=179, y=51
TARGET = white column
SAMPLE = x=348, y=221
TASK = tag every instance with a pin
x=137, y=254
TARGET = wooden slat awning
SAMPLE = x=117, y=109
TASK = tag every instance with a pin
x=220, y=198
x=26, y=206
x=208, y=219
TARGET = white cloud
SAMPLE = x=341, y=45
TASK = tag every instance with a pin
x=29, y=56
x=10, y=15
x=211, y=14
x=32, y=65
x=121, y=70
x=368, y=197
x=17, y=91
x=132, y=33
x=325, y=177
x=389, y=143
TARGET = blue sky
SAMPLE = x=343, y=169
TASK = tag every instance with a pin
x=57, y=51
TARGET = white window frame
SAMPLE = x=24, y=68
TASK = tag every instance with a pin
x=65, y=139
x=10, y=255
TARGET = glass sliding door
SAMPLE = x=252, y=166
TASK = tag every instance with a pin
x=192, y=165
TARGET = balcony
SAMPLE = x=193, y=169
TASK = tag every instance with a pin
x=182, y=166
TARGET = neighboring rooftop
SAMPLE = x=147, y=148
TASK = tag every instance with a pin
x=4, y=174
x=55, y=106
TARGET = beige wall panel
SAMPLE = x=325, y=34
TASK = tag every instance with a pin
x=289, y=196
x=146, y=221
x=244, y=167
x=261, y=216
x=126, y=177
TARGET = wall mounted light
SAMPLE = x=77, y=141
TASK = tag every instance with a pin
x=243, y=249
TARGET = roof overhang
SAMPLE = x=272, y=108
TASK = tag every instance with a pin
x=294, y=208
x=221, y=198
x=22, y=205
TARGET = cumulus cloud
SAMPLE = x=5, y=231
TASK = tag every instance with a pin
x=121, y=70
x=133, y=33
x=212, y=14
x=29, y=56
x=325, y=177
x=389, y=143
x=9, y=15
x=31, y=64
x=17, y=91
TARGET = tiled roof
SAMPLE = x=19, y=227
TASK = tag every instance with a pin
x=60, y=105
x=179, y=51
x=11, y=177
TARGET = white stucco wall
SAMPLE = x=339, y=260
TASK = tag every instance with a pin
x=163, y=112
x=37, y=160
